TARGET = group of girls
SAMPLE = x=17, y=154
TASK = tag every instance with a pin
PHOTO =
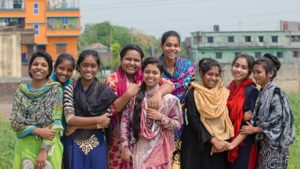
x=151, y=114
x=239, y=128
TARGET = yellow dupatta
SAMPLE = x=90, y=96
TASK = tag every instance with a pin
x=211, y=104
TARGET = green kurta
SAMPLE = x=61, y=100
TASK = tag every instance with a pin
x=37, y=109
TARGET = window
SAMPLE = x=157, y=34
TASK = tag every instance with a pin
x=296, y=54
x=219, y=55
x=247, y=38
x=210, y=39
x=237, y=53
x=60, y=23
x=261, y=39
x=274, y=39
x=65, y=20
x=257, y=54
x=41, y=47
x=231, y=39
x=61, y=48
x=36, y=29
x=279, y=54
x=35, y=8
x=17, y=4
x=6, y=20
x=295, y=38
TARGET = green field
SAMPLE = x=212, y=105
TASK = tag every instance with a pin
x=7, y=138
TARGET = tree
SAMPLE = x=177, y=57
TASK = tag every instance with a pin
x=116, y=37
x=116, y=48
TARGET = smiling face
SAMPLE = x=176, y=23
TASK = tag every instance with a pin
x=88, y=68
x=240, y=69
x=171, y=47
x=261, y=77
x=64, y=71
x=39, y=69
x=151, y=75
x=211, y=78
x=131, y=62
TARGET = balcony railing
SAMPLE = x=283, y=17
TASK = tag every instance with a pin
x=63, y=4
x=63, y=23
x=11, y=5
x=12, y=22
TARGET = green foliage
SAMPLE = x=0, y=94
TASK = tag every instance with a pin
x=7, y=142
x=95, y=33
x=116, y=49
x=294, y=161
x=108, y=35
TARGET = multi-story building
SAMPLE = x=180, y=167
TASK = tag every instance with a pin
x=225, y=45
x=56, y=24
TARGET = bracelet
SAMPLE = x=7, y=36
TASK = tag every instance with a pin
x=162, y=116
x=99, y=126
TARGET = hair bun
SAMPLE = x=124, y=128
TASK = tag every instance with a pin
x=274, y=59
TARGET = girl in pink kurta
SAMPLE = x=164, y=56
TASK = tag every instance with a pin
x=125, y=82
x=147, y=135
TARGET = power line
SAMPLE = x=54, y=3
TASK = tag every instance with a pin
x=142, y=3
x=188, y=19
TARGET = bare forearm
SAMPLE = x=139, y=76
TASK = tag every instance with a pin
x=166, y=88
x=238, y=139
x=122, y=101
x=36, y=131
x=257, y=130
x=92, y=126
x=82, y=121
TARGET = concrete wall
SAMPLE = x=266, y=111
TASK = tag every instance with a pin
x=288, y=77
x=8, y=88
x=10, y=54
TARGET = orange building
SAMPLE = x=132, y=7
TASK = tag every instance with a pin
x=56, y=24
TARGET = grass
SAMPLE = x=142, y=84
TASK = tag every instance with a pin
x=7, y=142
x=294, y=161
x=7, y=138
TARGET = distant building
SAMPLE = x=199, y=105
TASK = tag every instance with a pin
x=56, y=23
x=103, y=51
x=225, y=45
x=188, y=47
x=289, y=26
x=12, y=40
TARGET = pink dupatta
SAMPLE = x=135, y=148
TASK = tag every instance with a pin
x=163, y=146
x=122, y=83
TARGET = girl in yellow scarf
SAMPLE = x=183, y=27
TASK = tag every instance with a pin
x=208, y=125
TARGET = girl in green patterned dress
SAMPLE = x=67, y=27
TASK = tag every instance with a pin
x=36, y=118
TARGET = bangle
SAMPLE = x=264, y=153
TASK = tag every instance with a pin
x=162, y=116
x=99, y=126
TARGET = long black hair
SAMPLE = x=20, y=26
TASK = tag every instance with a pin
x=136, y=119
x=270, y=63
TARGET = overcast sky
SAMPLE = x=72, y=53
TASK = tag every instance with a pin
x=154, y=17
